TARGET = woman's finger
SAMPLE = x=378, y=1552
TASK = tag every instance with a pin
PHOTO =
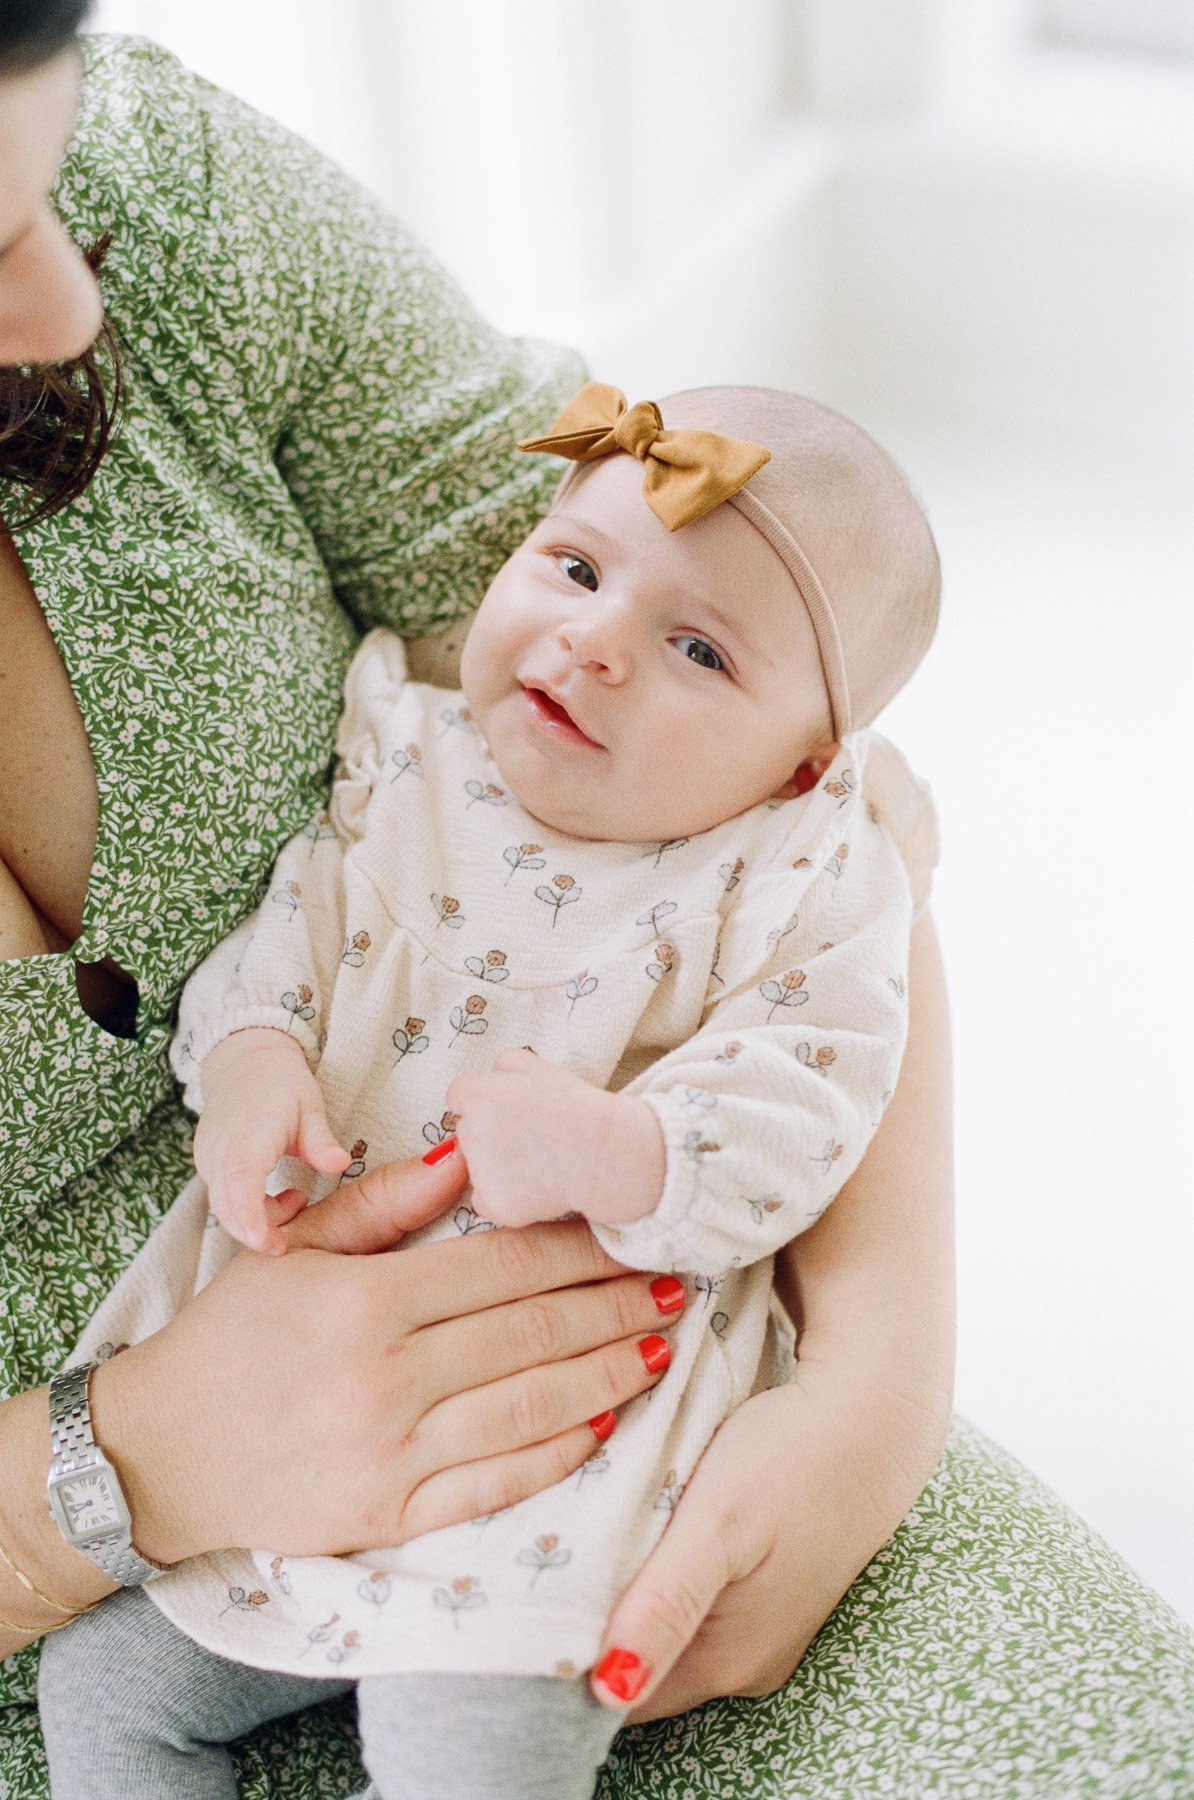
x=539, y=1403
x=546, y=1328
x=663, y=1608
x=476, y=1490
x=373, y=1212
x=486, y=1268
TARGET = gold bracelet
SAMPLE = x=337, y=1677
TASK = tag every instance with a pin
x=40, y=1630
x=72, y=1612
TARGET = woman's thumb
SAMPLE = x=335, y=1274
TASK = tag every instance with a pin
x=661, y=1612
x=374, y=1210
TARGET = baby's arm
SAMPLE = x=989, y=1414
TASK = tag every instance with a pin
x=249, y=1039
x=734, y=1142
x=770, y=1107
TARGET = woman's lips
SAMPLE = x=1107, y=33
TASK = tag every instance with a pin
x=550, y=715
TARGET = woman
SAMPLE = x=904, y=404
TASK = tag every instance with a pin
x=315, y=438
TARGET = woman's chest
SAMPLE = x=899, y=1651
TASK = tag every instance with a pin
x=173, y=669
x=49, y=801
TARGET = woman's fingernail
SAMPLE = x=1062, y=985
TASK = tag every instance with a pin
x=656, y=1352
x=668, y=1293
x=603, y=1425
x=623, y=1673
x=441, y=1151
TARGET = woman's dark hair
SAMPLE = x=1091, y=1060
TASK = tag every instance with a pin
x=32, y=31
x=56, y=421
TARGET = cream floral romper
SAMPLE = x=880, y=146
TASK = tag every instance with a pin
x=748, y=983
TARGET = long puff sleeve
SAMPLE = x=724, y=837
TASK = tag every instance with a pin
x=279, y=966
x=769, y=1108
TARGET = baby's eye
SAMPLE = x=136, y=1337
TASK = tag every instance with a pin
x=578, y=570
x=704, y=654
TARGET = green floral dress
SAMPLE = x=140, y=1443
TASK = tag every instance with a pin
x=318, y=439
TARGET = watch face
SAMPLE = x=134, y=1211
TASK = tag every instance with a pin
x=90, y=1503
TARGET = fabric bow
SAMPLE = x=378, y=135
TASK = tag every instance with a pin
x=687, y=473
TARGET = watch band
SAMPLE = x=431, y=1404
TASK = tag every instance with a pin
x=77, y=1453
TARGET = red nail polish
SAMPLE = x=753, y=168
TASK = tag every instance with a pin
x=668, y=1293
x=603, y=1425
x=441, y=1151
x=623, y=1673
x=656, y=1352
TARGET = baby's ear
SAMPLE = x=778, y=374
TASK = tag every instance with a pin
x=808, y=774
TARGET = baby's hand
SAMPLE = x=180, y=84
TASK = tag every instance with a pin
x=540, y=1142
x=260, y=1102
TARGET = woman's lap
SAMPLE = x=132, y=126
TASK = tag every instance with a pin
x=995, y=1650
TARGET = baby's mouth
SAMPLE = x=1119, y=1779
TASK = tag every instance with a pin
x=551, y=713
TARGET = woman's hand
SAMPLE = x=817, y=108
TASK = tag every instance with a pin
x=324, y=1402
x=803, y=1485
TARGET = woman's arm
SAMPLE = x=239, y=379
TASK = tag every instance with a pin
x=803, y=1484
x=328, y=1400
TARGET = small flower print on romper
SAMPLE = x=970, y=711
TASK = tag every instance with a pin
x=898, y=986
x=731, y=1053
x=659, y=850
x=319, y=1634
x=319, y=830
x=409, y=760
x=837, y=862
x=731, y=874
x=357, y=1166
x=718, y=1323
x=765, y=1204
x=241, y=1601
x=820, y=1060
x=348, y=1646
x=669, y=1494
x=596, y=1464
x=353, y=953
x=522, y=856
x=709, y=1285
x=456, y=717
x=375, y=1589
x=466, y=1220
x=698, y=1096
x=831, y=1153
x=579, y=988
x=449, y=911
x=778, y=933
x=298, y=1004
x=466, y=1020
x=289, y=897
x=787, y=991
x=409, y=1040
x=544, y=1553
x=278, y=1575
x=841, y=786
x=562, y=892
x=698, y=1147
x=488, y=792
x=436, y=1134
x=490, y=967
x=662, y=962
x=662, y=909
x=464, y=1595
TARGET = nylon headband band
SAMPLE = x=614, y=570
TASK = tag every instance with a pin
x=816, y=603
x=804, y=580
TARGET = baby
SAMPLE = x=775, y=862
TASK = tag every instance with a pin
x=624, y=924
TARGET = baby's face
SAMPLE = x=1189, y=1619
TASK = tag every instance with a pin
x=637, y=684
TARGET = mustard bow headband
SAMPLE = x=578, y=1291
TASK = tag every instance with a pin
x=687, y=474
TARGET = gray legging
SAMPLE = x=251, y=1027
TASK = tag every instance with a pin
x=133, y=1710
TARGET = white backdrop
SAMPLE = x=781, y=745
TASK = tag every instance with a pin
x=982, y=248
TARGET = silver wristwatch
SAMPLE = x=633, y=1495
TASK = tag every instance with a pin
x=86, y=1498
